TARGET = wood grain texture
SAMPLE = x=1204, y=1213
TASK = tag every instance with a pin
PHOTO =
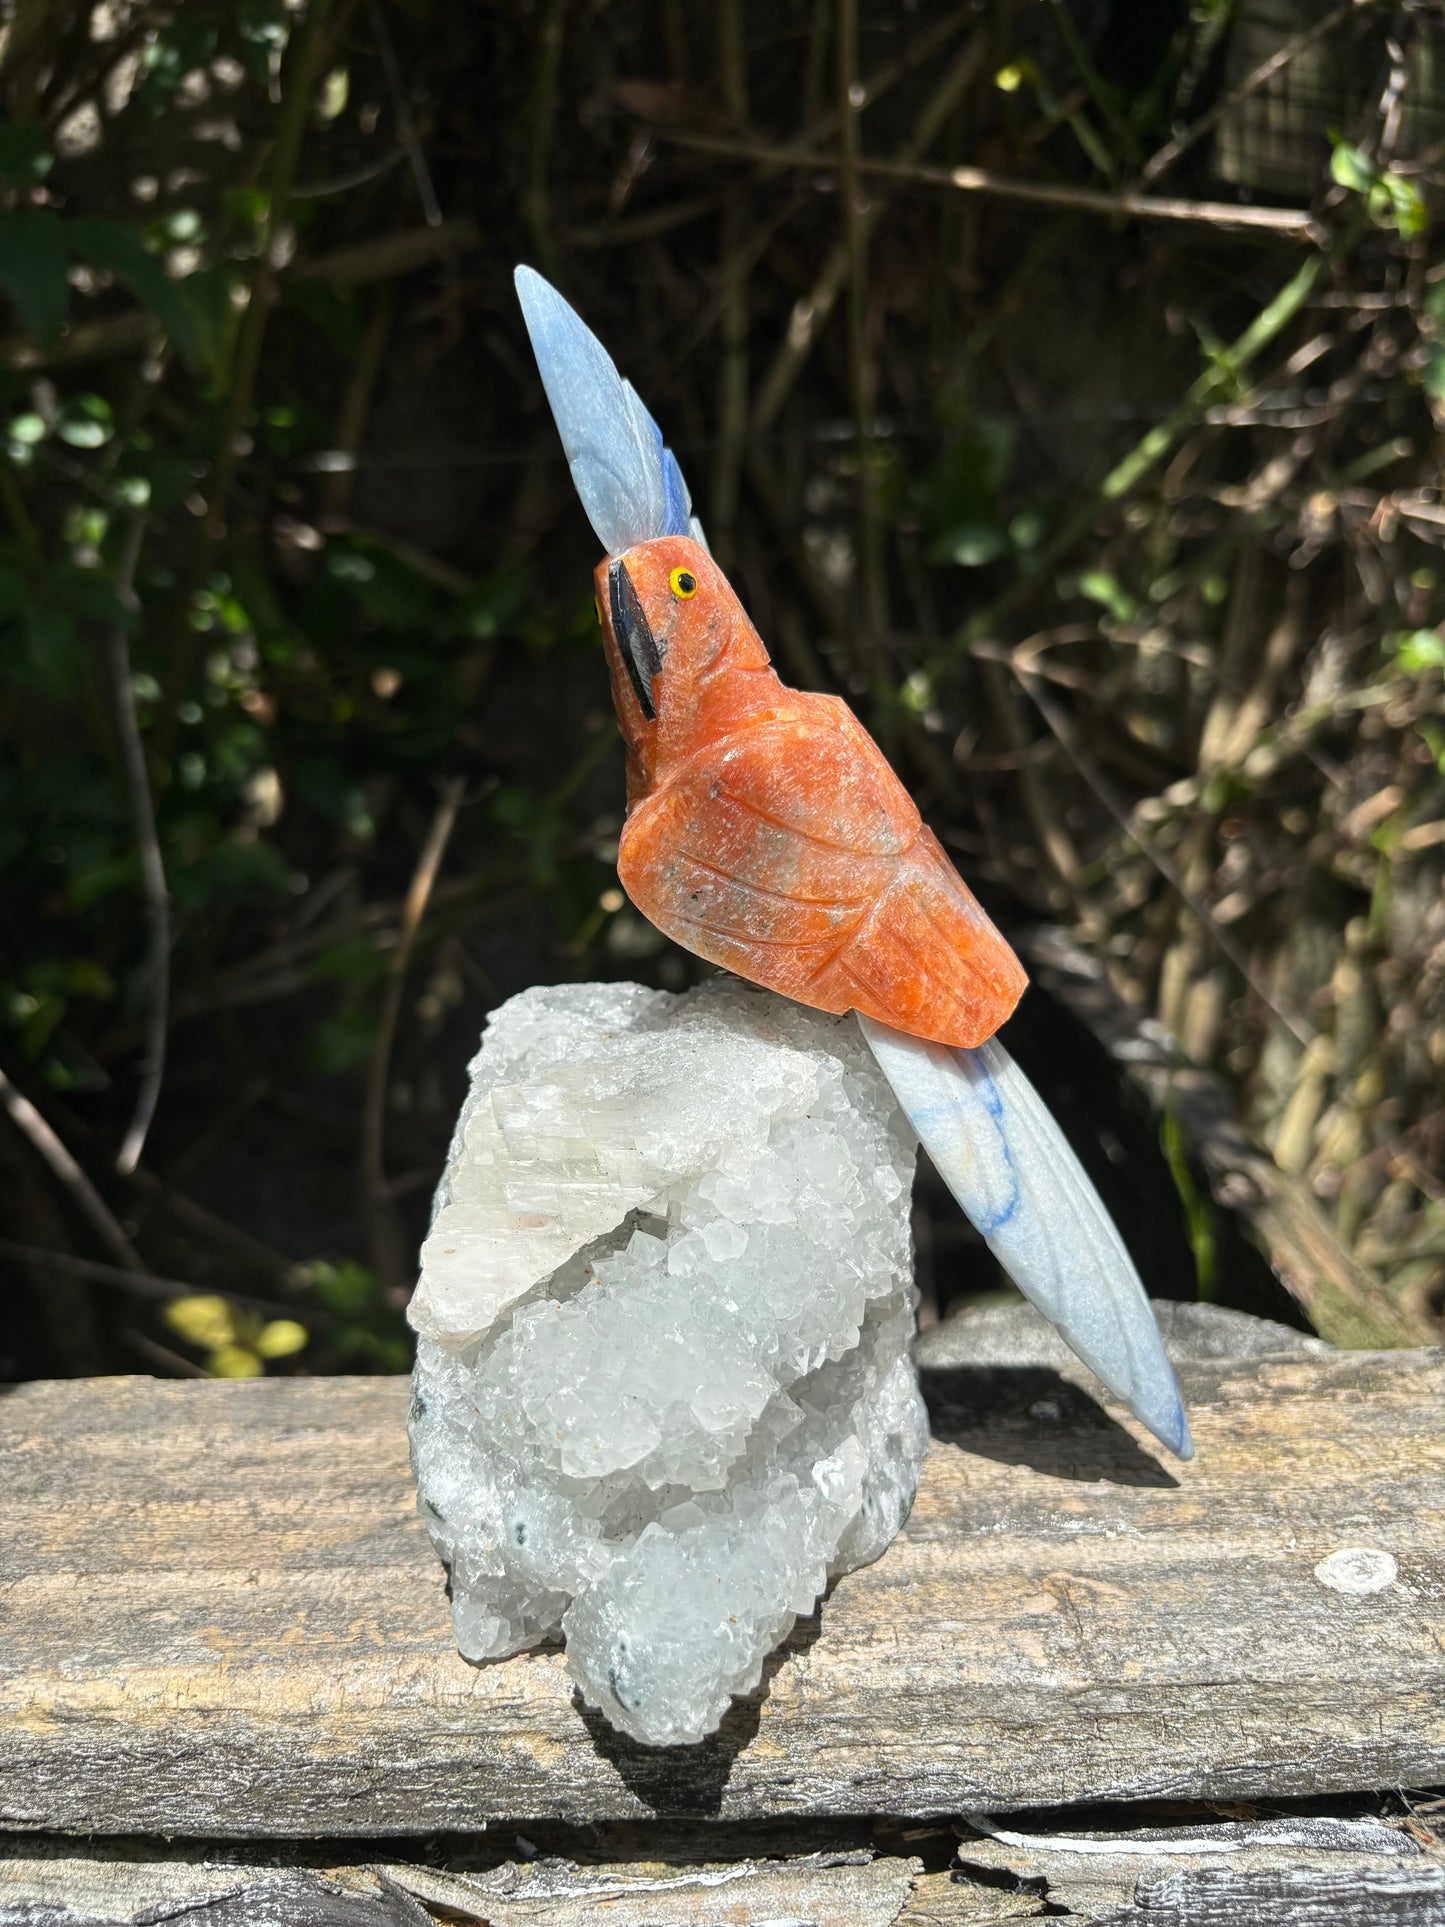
x=1267, y=1872
x=1228, y=1866
x=811, y=1890
x=1304, y=1897
x=832, y=1890
x=85, y=1892
x=219, y=1617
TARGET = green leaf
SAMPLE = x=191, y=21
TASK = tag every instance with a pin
x=34, y=260
x=235, y=1361
x=263, y=23
x=281, y=1338
x=1099, y=586
x=971, y=546
x=334, y=312
x=203, y=1321
x=25, y=155
x=342, y=1041
x=172, y=52
x=85, y=592
x=14, y=592
x=959, y=494
x=208, y=302
x=41, y=1015
x=356, y=961
x=86, y=421
x=1198, y=1213
x=1396, y=199
x=247, y=206
x=206, y=866
x=94, y=882
x=324, y=785
x=347, y=1287
x=1424, y=649
x=1350, y=168
x=120, y=249
x=57, y=658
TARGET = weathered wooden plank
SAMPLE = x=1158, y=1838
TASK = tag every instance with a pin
x=1305, y=1897
x=219, y=1617
x=839, y=1889
x=1344, y=1873
x=829, y=1890
x=1351, y=1864
x=81, y=1891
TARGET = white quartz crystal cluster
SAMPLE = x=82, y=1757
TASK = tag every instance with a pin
x=664, y=1384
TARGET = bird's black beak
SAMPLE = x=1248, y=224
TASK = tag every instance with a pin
x=635, y=639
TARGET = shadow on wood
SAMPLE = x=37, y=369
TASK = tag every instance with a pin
x=1032, y=1415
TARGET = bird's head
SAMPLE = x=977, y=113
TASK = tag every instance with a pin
x=676, y=636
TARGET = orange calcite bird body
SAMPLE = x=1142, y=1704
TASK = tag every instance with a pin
x=766, y=832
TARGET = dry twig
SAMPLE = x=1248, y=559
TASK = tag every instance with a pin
x=385, y=1239
x=1292, y=223
x=157, y=968
x=33, y=1127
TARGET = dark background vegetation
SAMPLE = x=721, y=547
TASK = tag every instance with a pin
x=1120, y=524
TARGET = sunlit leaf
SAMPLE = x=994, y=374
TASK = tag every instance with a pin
x=203, y=1321
x=335, y=91
x=1423, y=649
x=282, y=1338
x=971, y=546
x=234, y=1361
x=1350, y=168
x=86, y=421
x=1396, y=201
x=1099, y=586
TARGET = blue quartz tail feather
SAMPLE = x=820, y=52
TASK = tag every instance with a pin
x=627, y=477
x=1004, y=1158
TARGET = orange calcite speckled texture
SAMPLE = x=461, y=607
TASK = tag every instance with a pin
x=766, y=832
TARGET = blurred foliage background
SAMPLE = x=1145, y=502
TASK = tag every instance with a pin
x=1059, y=379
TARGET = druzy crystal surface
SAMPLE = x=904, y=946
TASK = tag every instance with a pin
x=664, y=1386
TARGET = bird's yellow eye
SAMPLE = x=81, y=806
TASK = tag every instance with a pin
x=683, y=583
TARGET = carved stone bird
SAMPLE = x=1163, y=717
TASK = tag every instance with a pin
x=767, y=833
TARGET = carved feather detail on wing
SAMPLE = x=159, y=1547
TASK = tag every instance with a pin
x=790, y=853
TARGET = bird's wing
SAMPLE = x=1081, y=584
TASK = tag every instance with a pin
x=791, y=854
x=628, y=479
x=1009, y=1165
x=768, y=843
